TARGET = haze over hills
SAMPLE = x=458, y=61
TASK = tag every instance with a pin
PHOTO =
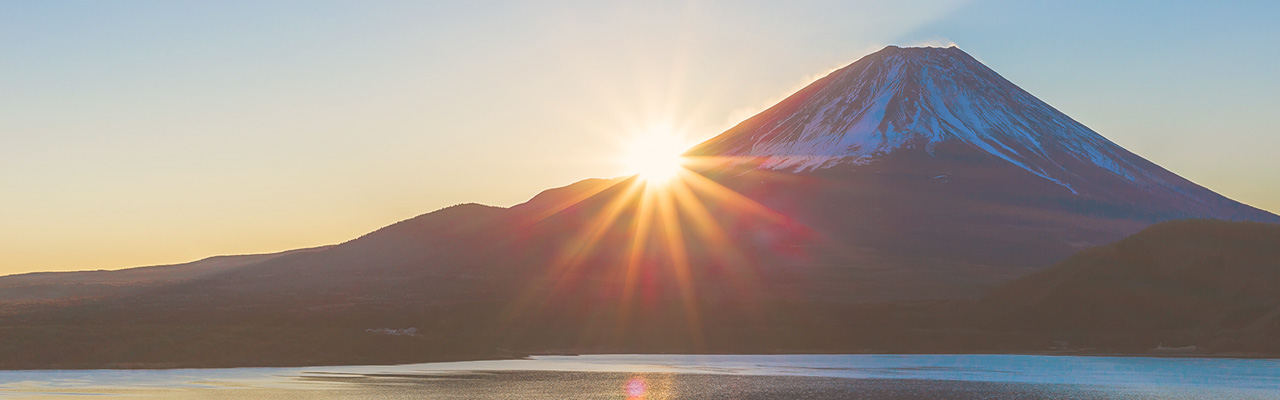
x=914, y=174
x=52, y=287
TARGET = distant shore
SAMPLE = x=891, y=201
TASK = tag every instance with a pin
x=170, y=366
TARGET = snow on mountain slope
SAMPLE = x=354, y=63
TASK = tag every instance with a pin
x=919, y=97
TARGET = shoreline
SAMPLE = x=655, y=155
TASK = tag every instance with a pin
x=170, y=366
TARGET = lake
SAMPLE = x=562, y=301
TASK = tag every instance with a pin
x=690, y=377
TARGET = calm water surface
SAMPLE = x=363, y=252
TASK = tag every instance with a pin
x=690, y=377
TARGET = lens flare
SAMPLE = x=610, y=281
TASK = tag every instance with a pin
x=638, y=243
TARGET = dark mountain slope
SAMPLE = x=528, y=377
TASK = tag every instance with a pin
x=1173, y=280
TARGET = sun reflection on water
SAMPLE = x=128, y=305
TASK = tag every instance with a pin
x=635, y=388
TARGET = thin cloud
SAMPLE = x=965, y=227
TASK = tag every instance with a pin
x=934, y=42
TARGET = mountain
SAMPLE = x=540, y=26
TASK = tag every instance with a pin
x=942, y=103
x=928, y=164
x=863, y=213
x=1211, y=284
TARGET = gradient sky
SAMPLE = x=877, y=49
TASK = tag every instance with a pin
x=149, y=132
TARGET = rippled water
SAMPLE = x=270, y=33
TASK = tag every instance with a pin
x=691, y=377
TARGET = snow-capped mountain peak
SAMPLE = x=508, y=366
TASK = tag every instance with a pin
x=919, y=98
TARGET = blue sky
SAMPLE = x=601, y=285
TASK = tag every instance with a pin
x=147, y=132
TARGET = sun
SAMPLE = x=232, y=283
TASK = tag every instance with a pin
x=655, y=156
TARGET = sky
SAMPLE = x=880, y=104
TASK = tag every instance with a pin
x=152, y=132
